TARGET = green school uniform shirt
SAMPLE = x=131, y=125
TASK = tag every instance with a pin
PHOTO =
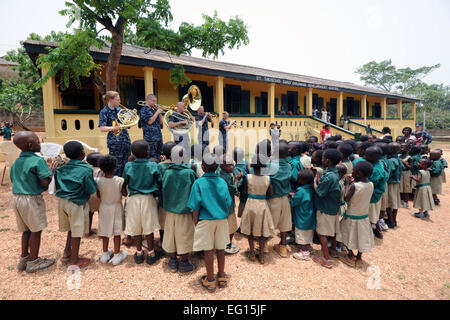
x=405, y=157
x=176, y=188
x=210, y=196
x=238, y=168
x=162, y=166
x=327, y=198
x=355, y=161
x=396, y=170
x=27, y=172
x=280, y=181
x=141, y=177
x=303, y=211
x=384, y=162
x=436, y=169
x=233, y=190
x=378, y=178
x=415, y=167
x=296, y=167
x=7, y=132
x=75, y=182
x=444, y=162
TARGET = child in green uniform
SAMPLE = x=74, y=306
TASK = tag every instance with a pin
x=295, y=151
x=210, y=201
x=405, y=183
x=305, y=159
x=94, y=202
x=444, y=164
x=423, y=198
x=6, y=132
x=179, y=227
x=384, y=198
x=30, y=176
x=74, y=183
x=436, y=171
x=393, y=186
x=327, y=200
x=227, y=174
x=162, y=166
x=279, y=201
x=142, y=179
x=378, y=178
x=304, y=214
x=316, y=161
x=346, y=149
x=241, y=166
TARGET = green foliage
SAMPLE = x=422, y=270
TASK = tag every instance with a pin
x=15, y=92
x=178, y=77
x=71, y=58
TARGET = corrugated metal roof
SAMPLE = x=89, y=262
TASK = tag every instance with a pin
x=157, y=57
x=4, y=62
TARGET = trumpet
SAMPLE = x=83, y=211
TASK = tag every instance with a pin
x=236, y=125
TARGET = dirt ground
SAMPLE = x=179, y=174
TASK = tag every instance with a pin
x=412, y=261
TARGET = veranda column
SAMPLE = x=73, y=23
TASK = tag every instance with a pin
x=364, y=108
x=271, y=102
x=309, y=101
x=400, y=109
x=384, y=110
x=219, y=102
x=49, y=95
x=148, y=78
x=340, y=106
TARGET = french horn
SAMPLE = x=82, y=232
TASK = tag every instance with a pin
x=126, y=118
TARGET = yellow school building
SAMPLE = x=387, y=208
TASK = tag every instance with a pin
x=254, y=97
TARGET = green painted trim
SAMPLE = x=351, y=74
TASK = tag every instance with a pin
x=249, y=116
x=292, y=117
x=75, y=111
x=363, y=125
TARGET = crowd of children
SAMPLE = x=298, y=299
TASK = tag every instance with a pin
x=339, y=195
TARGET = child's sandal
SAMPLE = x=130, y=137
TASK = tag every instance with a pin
x=262, y=260
x=223, y=281
x=251, y=256
x=208, y=285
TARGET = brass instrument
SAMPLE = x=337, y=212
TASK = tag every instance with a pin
x=236, y=125
x=126, y=118
x=193, y=98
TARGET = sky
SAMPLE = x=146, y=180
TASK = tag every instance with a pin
x=327, y=39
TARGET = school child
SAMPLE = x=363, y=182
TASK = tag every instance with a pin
x=305, y=159
x=355, y=231
x=423, y=198
x=227, y=174
x=279, y=201
x=256, y=219
x=141, y=183
x=424, y=151
x=210, y=201
x=179, y=227
x=419, y=138
x=30, y=176
x=6, y=132
x=304, y=214
x=295, y=151
x=415, y=156
x=197, y=151
x=393, y=186
x=379, y=179
x=436, y=171
x=74, y=183
x=327, y=200
x=162, y=166
x=316, y=161
x=444, y=164
x=384, y=198
x=342, y=172
x=360, y=150
x=111, y=213
x=311, y=141
x=241, y=166
x=346, y=150
x=128, y=240
x=405, y=183
x=94, y=202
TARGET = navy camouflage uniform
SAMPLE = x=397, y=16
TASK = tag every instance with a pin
x=183, y=140
x=152, y=133
x=203, y=132
x=119, y=147
x=223, y=141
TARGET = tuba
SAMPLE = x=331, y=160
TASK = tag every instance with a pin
x=126, y=119
x=193, y=98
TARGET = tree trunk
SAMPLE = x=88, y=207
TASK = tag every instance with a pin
x=112, y=67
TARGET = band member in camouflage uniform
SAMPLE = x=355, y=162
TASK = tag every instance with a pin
x=152, y=122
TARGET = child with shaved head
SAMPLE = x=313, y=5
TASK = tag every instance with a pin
x=30, y=176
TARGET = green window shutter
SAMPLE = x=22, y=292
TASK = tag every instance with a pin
x=284, y=102
x=276, y=105
x=245, y=102
x=258, y=105
x=209, y=99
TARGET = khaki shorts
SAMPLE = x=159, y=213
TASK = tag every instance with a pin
x=232, y=223
x=178, y=233
x=162, y=217
x=327, y=225
x=303, y=237
x=30, y=212
x=73, y=218
x=374, y=212
x=211, y=234
x=141, y=215
x=281, y=213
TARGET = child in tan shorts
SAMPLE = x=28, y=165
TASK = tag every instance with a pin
x=30, y=176
x=94, y=202
x=74, y=183
x=142, y=180
x=111, y=214
x=210, y=201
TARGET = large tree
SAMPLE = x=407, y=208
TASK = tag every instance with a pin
x=151, y=18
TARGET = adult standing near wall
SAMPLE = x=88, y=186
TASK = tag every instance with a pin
x=427, y=138
x=152, y=121
x=202, y=119
x=324, y=115
x=326, y=133
x=224, y=126
x=119, y=146
x=386, y=133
